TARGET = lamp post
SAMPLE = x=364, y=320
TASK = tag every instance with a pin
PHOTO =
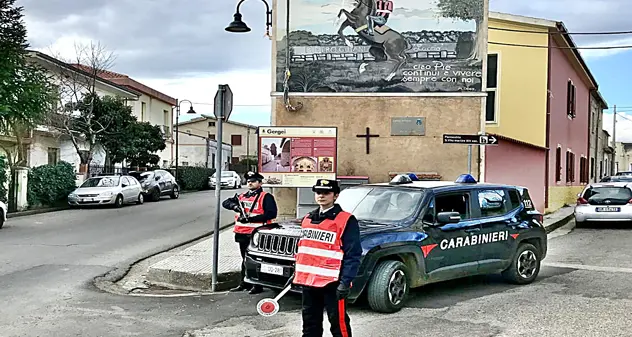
x=238, y=26
x=191, y=111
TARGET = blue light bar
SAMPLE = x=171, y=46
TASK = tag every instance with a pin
x=466, y=179
x=413, y=177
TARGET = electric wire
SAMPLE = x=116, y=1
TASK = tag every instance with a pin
x=624, y=32
x=559, y=47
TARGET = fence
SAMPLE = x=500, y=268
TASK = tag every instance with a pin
x=96, y=170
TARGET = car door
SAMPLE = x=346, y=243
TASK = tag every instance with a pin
x=497, y=218
x=134, y=187
x=169, y=180
x=160, y=181
x=127, y=189
x=450, y=253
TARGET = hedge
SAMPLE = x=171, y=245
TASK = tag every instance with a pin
x=49, y=185
x=193, y=178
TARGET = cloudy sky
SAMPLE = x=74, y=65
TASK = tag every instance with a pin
x=180, y=47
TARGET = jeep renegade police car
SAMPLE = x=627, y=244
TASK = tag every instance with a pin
x=419, y=232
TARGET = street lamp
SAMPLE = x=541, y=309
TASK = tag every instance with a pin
x=238, y=26
x=191, y=111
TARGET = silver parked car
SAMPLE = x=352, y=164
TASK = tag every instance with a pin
x=107, y=190
x=599, y=202
x=230, y=179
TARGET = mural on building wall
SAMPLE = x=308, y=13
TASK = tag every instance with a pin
x=382, y=46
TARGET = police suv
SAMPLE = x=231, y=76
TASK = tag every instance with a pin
x=415, y=233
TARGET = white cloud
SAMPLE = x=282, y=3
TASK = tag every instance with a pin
x=251, y=92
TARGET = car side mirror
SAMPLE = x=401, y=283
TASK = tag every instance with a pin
x=157, y=178
x=448, y=217
x=124, y=185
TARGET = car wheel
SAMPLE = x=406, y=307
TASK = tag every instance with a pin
x=175, y=193
x=141, y=199
x=389, y=286
x=235, y=187
x=1, y=219
x=525, y=265
x=155, y=194
x=119, y=201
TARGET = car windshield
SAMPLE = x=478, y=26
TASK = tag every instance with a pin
x=101, y=182
x=613, y=193
x=225, y=174
x=381, y=204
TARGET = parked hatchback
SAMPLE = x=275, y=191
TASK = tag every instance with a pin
x=158, y=183
x=604, y=202
x=107, y=190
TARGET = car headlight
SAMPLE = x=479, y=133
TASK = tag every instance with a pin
x=72, y=195
x=255, y=238
x=106, y=194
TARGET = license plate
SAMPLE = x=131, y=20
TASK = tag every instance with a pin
x=608, y=209
x=271, y=269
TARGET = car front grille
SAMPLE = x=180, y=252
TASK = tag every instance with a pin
x=278, y=244
x=87, y=195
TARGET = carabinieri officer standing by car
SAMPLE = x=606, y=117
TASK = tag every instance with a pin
x=259, y=208
x=327, y=261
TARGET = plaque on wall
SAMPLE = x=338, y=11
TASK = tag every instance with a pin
x=408, y=126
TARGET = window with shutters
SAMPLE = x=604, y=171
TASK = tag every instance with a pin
x=558, y=164
x=571, y=99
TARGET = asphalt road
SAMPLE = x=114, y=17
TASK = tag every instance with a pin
x=48, y=262
x=584, y=289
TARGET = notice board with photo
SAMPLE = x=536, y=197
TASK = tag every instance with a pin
x=293, y=156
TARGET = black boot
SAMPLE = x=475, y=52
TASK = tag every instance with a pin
x=257, y=289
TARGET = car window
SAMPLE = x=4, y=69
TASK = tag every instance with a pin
x=381, y=204
x=492, y=202
x=132, y=181
x=514, y=199
x=159, y=174
x=125, y=181
x=101, y=182
x=454, y=202
x=612, y=193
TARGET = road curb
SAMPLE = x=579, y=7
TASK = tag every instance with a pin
x=107, y=282
x=559, y=223
x=36, y=211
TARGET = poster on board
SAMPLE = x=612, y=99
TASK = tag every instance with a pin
x=403, y=46
x=293, y=156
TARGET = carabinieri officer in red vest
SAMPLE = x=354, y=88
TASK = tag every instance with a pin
x=259, y=208
x=327, y=261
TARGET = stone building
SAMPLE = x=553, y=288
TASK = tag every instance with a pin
x=598, y=145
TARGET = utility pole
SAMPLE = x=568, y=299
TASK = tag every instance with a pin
x=614, y=141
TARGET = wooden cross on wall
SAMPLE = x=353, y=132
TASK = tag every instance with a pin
x=368, y=137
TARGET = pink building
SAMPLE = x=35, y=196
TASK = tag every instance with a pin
x=539, y=108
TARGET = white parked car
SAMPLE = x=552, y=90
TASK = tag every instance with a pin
x=229, y=179
x=604, y=202
x=3, y=216
x=107, y=190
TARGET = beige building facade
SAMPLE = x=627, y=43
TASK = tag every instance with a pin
x=241, y=137
x=392, y=102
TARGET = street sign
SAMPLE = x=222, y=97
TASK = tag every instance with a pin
x=470, y=139
x=224, y=95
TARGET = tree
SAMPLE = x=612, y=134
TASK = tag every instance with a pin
x=77, y=80
x=144, y=139
x=27, y=94
x=117, y=116
x=467, y=10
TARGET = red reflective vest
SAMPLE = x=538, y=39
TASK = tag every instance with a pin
x=319, y=256
x=250, y=209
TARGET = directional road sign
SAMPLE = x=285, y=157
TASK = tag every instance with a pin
x=470, y=139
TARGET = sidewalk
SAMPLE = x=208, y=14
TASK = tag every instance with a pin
x=191, y=268
x=558, y=218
